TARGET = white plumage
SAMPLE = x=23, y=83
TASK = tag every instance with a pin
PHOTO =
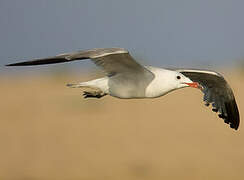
x=128, y=79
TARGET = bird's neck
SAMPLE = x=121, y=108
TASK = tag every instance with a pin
x=161, y=84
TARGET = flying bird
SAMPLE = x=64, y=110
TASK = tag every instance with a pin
x=125, y=78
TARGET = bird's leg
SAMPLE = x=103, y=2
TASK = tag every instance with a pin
x=93, y=94
x=89, y=91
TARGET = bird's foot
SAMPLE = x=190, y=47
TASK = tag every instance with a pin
x=93, y=94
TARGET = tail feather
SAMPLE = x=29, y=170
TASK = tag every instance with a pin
x=74, y=85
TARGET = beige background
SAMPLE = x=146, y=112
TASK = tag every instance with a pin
x=48, y=131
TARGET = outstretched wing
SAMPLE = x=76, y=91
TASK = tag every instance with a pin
x=112, y=60
x=127, y=77
x=217, y=92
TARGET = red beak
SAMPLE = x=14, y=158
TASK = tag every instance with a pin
x=194, y=85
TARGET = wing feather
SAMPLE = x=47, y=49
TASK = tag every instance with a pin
x=67, y=57
x=124, y=72
x=112, y=60
x=216, y=92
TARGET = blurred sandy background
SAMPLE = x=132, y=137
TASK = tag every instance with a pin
x=48, y=131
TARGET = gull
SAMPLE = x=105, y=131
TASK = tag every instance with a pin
x=127, y=79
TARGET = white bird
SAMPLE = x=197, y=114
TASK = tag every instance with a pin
x=125, y=78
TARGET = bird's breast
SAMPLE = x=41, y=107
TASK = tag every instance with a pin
x=156, y=89
x=160, y=85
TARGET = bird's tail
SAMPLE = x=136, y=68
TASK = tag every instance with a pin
x=79, y=85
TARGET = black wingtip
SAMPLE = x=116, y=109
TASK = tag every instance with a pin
x=19, y=64
x=50, y=60
x=9, y=65
x=233, y=117
x=15, y=64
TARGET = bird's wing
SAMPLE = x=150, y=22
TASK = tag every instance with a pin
x=112, y=60
x=217, y=92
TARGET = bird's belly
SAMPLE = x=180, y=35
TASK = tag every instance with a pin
x=125, y=88
x=125, y=93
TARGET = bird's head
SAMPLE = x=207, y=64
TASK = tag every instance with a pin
x=182, y=81
x=167, y=81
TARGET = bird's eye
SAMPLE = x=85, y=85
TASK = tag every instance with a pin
x=178, y=77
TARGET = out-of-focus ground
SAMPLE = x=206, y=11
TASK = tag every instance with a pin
x=48, y=131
